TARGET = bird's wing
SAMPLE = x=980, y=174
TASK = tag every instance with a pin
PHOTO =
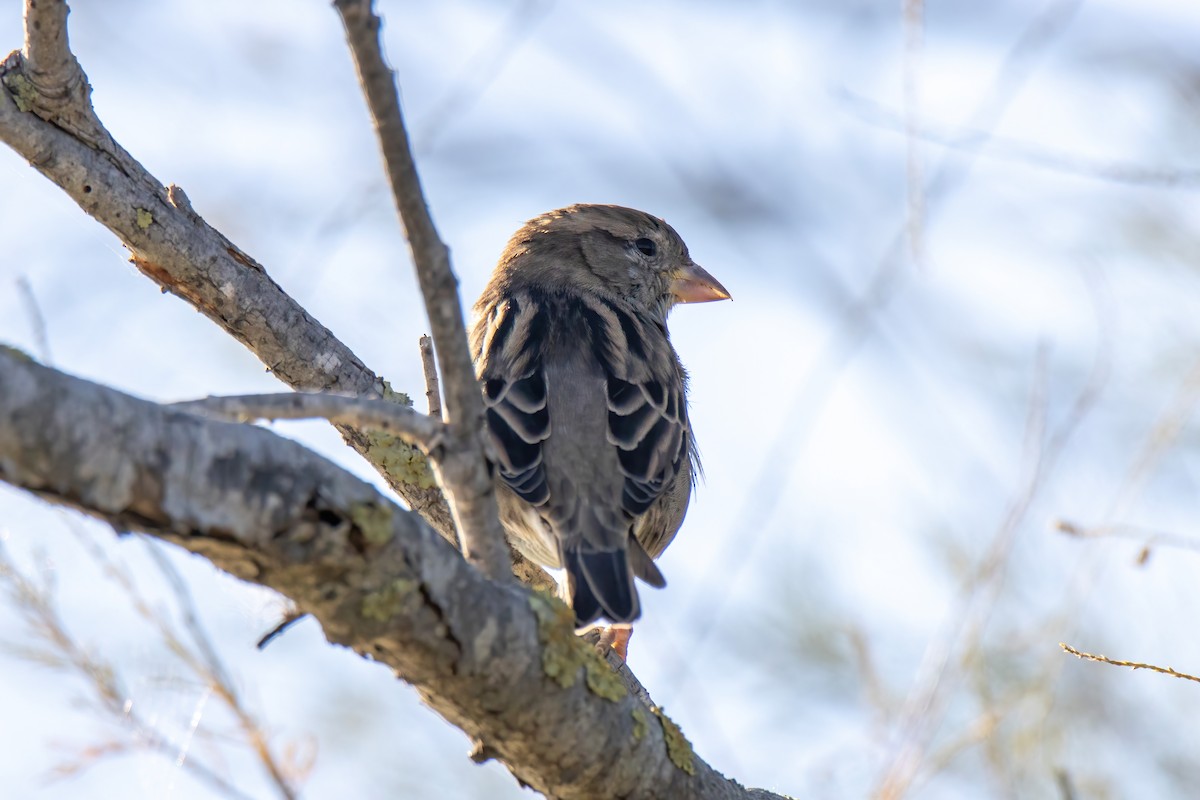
x=508, y=342
x=647, y=410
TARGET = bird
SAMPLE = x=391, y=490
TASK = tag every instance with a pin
x=585, y=398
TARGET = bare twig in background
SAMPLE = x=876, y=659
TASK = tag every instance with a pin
x=200, y=657
x=433, y=389
x=464, y=469
x=1131, y=664
x=914, y=36
x=363, y=413
x=37, y=321
x=1066, y=788
x=60, y=650
x=977, y=731
x=207, y=663
x=931, y=691
x=480, y=70
x=936, y=681
x=290, y=618
x=987, y=144
x=922, y=712
x=1149, y=539
x=37, y=604
x=856, y=325
x=1164, y=433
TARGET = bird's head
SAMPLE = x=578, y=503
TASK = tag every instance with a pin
x=612, y=250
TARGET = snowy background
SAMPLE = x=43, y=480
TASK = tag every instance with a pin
x=939, y=345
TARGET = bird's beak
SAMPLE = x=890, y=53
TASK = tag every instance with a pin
x=692, y=284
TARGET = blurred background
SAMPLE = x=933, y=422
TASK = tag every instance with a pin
x=963, y=242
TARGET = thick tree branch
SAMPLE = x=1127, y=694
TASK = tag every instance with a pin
x=171, y=244
x=499, y=662
x=464, y=470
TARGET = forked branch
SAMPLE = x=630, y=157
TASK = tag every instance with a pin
x=464, y=469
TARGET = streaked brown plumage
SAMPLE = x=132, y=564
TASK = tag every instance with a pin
x=586, y=398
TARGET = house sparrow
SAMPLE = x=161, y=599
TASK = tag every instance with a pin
x=586, y=399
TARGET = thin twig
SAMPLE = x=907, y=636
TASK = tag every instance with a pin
x=1131, y=664
x=464, y=469
x=1148, y=538
x=210, y=666
x=856, y=326
x=35, y=605
x=290, y=618
x=988, y=145
x=1165, y=432
x=433, y=389
x=202, y=659
x=479, y=71
x=914, y=34
x=364, y=413
x=931, y=692
x=1066, y=788
x=37, y=321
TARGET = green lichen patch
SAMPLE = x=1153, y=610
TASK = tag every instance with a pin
x=398, y=459
x=602, y=681
x=679, y=749
x=144, y=218
x=641, y=723
x=385, y=603
x=563, y=653
x=374, y=520
x=396, y=397
x=23, y=91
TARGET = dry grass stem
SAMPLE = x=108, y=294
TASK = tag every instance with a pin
x=1131, y=664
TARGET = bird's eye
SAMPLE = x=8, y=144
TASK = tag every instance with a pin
x=646, y=247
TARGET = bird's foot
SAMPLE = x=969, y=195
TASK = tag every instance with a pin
x=610, y=637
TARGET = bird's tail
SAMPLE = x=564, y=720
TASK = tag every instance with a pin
x=601, y=585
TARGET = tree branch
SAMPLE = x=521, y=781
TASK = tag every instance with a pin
x=46, y=78
x=433, y=389
x=173, y=246
x=361, y=413
x=501, y=663
x=464, y=470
